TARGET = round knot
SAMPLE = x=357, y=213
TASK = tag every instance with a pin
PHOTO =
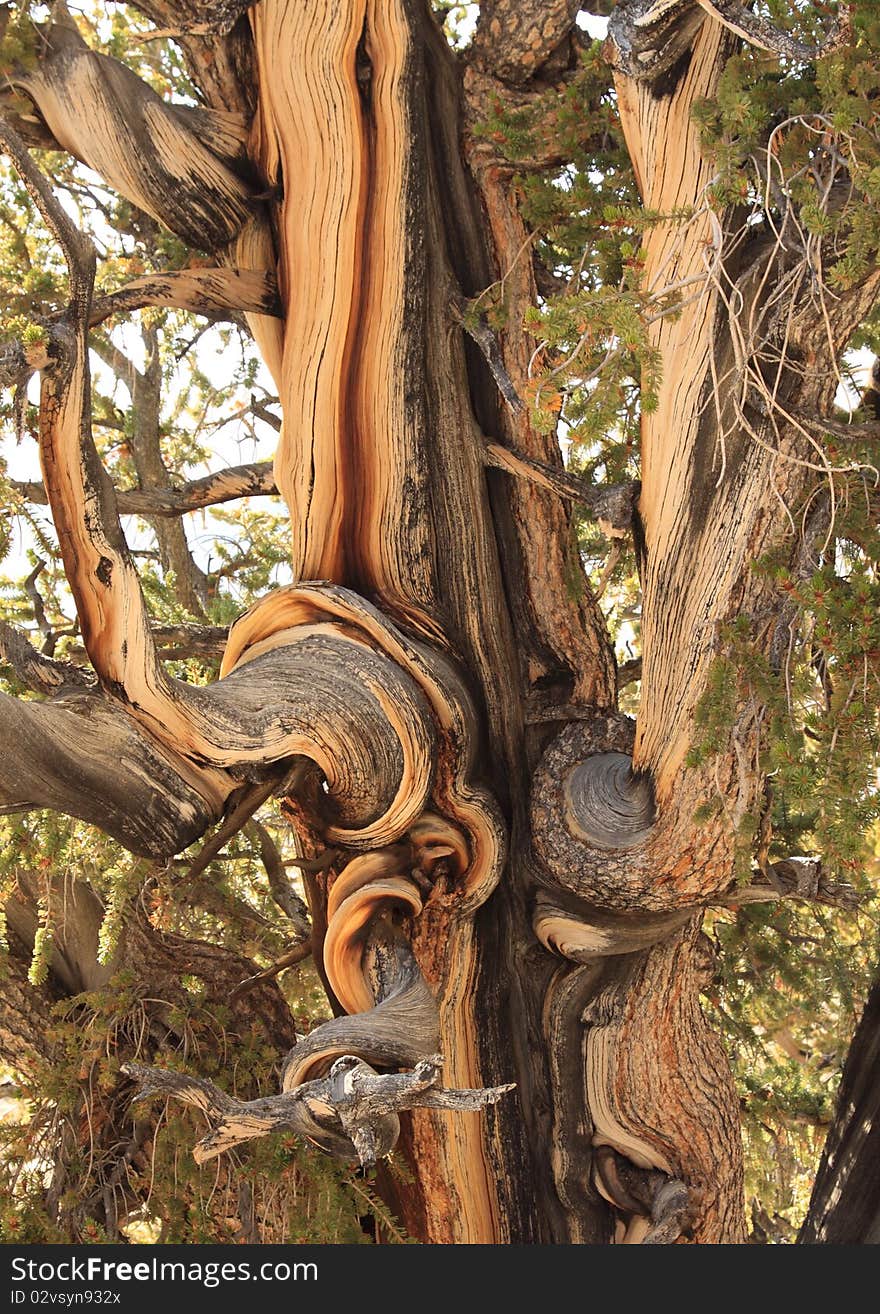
x=606, y=804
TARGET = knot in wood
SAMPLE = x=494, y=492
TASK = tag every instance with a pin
x=591, y=812
x=606, y=803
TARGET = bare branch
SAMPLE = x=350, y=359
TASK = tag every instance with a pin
x=477, y=328
x=651, y=36
x=43, y=625
x=78, y=250
x=39, y=672
x=797, y=878
x=210, y=292
x=279, y=883
x=245, y=805
x=612, y=506
x=353, y=1107
x=758, y=31
x=255, y=480
x=298, y=953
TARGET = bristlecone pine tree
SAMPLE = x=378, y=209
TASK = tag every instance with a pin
x=452, y=245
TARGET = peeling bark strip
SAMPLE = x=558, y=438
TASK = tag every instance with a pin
x=350, y=460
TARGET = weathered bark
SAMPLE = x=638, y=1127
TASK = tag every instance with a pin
x=211, y=490
x=524, y=889
x=845, y=1204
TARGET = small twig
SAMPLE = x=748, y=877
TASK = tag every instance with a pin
x=298, y=953
x=240, y=815
x=477, y=328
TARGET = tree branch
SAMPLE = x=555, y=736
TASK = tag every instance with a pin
x=81, y=755
x=158, y=162
x=254, y=480
x=758, y=31
x=477, y=328
x=280, y=885
x=353, y=1108
x=515, y=37
x=612, y=506
x=210, y=292
x=41, y=673
x=649, y=37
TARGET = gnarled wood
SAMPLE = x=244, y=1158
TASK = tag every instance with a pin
x=79, y=754
x=102, y=113
x=443, y=616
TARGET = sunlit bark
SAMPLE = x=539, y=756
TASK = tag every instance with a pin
x=517, y=878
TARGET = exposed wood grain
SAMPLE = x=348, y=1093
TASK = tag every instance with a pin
x=350, y=462
x=102, y=113
x=81, y=755
x=211, y=292
x=659, y=1086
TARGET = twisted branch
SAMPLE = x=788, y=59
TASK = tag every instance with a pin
x=352, y=1111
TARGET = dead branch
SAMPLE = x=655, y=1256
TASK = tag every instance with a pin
x=352, y=1108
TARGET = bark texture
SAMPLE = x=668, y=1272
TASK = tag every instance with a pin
x=845, y=1204
x=517, y=890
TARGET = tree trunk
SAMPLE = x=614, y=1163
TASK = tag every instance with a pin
x=518, y=878
x=845, y=1204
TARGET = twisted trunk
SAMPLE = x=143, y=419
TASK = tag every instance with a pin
x=543, y=874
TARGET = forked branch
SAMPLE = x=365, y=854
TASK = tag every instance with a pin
x=352, y=1111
